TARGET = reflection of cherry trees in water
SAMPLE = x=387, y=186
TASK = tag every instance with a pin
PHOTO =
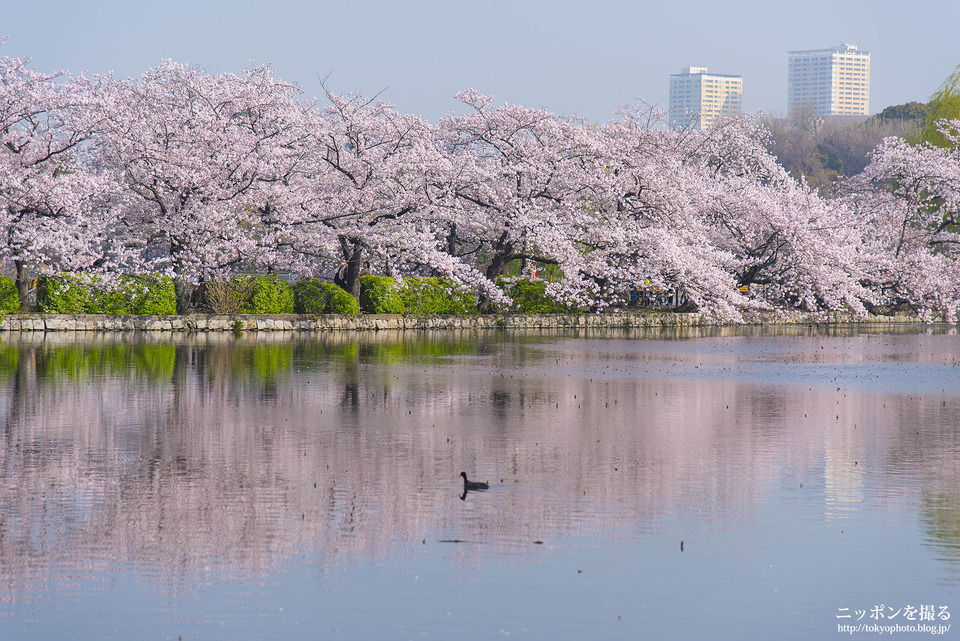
x=179, y=455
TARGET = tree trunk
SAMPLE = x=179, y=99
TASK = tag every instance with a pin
x=353, y=254
x=23, y=280
x=183, y=290
x=452, y=240
x=498, y=265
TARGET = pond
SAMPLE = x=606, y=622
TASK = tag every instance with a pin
x=708, y=483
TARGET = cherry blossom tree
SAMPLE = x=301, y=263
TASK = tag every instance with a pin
x=708, y=212
x=200, y=158
x=196, y=175
x=801, y=250
x=515, y=186
x=366, y=197
x=368, y=163
x=53, y=202
x=908, y=205
x=650, y=227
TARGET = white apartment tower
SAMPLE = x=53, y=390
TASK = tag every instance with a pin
x=698, y=98
x=834, y=81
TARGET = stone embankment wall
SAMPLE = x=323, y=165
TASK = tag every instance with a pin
x=292, y=322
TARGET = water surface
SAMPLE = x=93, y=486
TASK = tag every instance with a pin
x=709, y=483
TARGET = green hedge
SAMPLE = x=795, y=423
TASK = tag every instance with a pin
x=145, y=295
x=64, y=294
x=267, y=295
x=436, y=296
x=314, y=296
x=380, y=295
x=128, y=294
x=530, y=297
x=9, y=299
x=149, y=294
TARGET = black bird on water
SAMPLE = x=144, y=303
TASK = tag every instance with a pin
x=473, y=485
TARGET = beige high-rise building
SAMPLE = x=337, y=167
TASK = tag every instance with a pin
x=698, y=98
x=834, y=81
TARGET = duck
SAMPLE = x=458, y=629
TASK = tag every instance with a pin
x=473, y=485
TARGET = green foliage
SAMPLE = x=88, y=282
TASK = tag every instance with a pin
x=155, y=362
x=153, y=295
x=383, y=295
x=548, y=272
x=254, y=294
x=945, y=104
x=907, y=112
x=266, y=295
x=436, y=296
x=380, y=295
x=530, y=297
x=9, y=361
x=246, y=363
x=83, y=294
x=270, y=361
x=314, y=296
x=9, y=300
x=107, y=301
x=514, y=268
x=65, y=294
x=141, y=294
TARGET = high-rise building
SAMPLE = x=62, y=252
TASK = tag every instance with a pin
x=834, y=81
x=698, y=98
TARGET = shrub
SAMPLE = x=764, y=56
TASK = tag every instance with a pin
x=530, y=297
x=65, y=294
x=266, y=295
x=153, y=295
x=84, y=294
x=224, y=296
x=9, y=299
x=436, y=296
x=135, y=294
x=111, y=299
x=380, y=295
x=314, y=296
x=253, y=294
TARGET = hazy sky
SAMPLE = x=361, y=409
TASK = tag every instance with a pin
x=583, y=58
